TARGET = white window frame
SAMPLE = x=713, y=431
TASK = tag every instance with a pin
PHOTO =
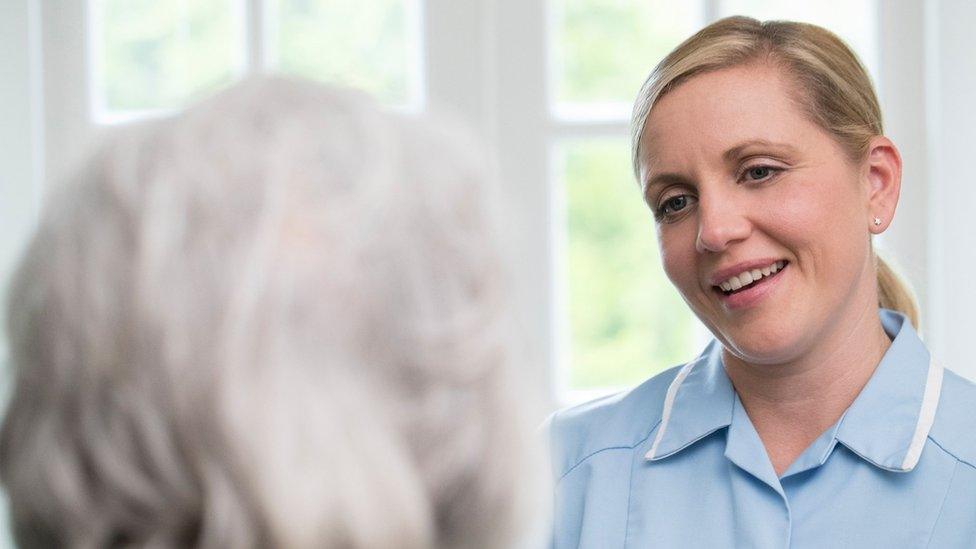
x=485, y=61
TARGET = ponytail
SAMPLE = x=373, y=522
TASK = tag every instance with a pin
x=894, y=293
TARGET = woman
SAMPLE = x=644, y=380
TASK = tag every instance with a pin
x=816, y=418
x=274, y=320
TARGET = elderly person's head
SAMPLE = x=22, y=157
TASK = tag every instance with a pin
x=275, y=320
x=759, y=148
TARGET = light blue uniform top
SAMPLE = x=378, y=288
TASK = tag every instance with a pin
x=676, y=462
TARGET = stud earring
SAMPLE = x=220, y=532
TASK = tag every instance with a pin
x=877, y=221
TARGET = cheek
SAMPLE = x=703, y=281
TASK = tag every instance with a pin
x=677, y=256
x=823, y=217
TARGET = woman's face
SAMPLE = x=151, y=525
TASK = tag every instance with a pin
x=741, y=181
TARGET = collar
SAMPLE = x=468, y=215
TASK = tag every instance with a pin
x=889, y=421
x=699, y=402
x=886, y=425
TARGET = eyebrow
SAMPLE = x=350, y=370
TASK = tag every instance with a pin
x=664, y=179
x=729, y=156
x=736, y=151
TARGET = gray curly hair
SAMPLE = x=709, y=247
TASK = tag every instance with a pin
x=276, y=319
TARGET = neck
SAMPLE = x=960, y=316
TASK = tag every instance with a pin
x=792, y=403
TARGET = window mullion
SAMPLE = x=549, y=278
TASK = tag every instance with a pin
x=523, y=141
x=67, y=82
x=455, y=61
x=254, y=42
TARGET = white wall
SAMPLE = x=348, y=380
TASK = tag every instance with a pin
x=952, y=175
x=902, y=91
x=928, y=90
x=18, y=191
x=18, y=160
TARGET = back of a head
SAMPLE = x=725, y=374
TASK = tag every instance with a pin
x=276, y=319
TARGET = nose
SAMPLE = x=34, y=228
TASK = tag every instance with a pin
x=721, y=222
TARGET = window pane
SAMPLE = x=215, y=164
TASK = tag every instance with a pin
x=369, y=45
x=160, y=55
x=602, y=50
x=856, y=21
x=626, y=321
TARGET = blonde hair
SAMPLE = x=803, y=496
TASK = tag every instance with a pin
x=837, y=95
x=276, y=320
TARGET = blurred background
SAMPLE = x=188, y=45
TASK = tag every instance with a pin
x=548, y=86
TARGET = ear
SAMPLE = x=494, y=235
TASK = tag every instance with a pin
x=883, y=182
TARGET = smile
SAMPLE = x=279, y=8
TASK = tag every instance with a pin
x=747, y=279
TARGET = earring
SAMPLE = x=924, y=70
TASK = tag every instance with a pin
x=877, y=221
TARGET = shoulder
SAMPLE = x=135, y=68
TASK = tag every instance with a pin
x=619, y=421
x=954, y=428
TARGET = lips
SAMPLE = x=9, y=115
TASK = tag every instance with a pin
x=753, y=293
x=749, y=277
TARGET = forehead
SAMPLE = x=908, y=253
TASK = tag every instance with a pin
x=711, y=112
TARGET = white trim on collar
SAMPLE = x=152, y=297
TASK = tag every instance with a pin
x=668, y=405
x=926, y=415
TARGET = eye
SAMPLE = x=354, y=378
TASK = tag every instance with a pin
x=759, y=173
x=675, y=204
x=672, y=206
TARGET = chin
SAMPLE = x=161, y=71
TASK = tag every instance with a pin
x=763, y=345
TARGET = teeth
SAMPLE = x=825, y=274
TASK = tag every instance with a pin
x=748, y=277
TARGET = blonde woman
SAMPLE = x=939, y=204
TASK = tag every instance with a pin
x=817, y=417
x=274, y=320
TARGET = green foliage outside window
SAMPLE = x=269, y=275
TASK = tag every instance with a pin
x=626, y=320
x=161, y=55
x=605, y=48
x=361, y=44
